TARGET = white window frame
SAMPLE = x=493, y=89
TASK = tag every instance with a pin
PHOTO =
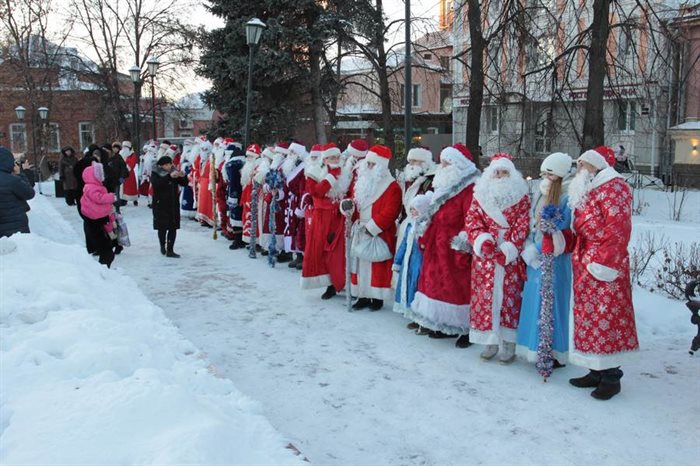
x=628, y=110
x=494, y=111
x=542, y=135
x=13, y=148
x=83, y=145
x=417, y=96
x=57, y=131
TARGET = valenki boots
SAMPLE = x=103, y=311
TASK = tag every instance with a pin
x=507, y=354
x=609, y=385
x=590, y=380
x=489, y=352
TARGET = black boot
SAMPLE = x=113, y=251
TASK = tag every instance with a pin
x=284, y=257
x=293, y=264
x=136, y=203
x=609, y=384
x=118, y=249
x=300, y=261
x=441, y=335
x=375, y=304
x=590, y=380
x=558, y=365
x=329, y=293
x=412, y=326
x=463, y=341
x=162, y=249
x=170, y=252
x=361, y=303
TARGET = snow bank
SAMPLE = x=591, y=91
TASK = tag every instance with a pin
x=91, y=372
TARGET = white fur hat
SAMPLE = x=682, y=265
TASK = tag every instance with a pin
x=297, y=149
x=126, y=144
x=594, y=158
x=557, y=163
x=421, y=154
x=269, y=153
x=421, y=202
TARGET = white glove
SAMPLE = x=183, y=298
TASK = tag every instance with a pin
x=531, y=256
x=460, y=243
x=299, y=212
x=232, y=202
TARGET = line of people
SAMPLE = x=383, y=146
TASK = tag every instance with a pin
x=457, y=252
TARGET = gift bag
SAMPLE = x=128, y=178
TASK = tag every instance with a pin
x=367, y=247
x=122, y=232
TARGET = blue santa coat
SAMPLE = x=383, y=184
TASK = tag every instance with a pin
x=186, y=194
x=234, y=188
x=528, y=328
x=408, y=260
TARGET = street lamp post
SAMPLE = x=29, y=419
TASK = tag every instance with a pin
x=253, y=30
x=152, y=68
x=408, y=85
x=135, y=74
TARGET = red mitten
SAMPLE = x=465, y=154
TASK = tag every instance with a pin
x=547, y=244
x=570, y=239
x=501, y=258
x=487, y=248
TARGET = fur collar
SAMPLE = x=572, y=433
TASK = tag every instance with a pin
x=439, y=200
x=603, y=176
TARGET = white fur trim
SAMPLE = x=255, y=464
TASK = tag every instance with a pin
x=418, y=153
x=332, y=152
x=297, y=149
x=559, y=243
x=281, y=150
x=594, y=158
x=601, y=272
x=493, y=337
x=509, y=250
x=460, y=242
x=358, y=154
x=396, y=268
x=600, y=362
x=452, y=155
x=439, y=316
x=603, y=176
x=315, y=172
x=331, y=179
x=373, y=228
x=531, y=356
x=377, y=159
x=299, y=212
x=531, y=256
x=479, y=242
x=503, y=163
x=319, y=281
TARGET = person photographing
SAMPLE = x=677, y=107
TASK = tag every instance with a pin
x=166, y=181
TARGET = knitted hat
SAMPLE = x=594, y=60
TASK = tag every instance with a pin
x=358, y=148
x=379, y=155
x=421, y=154
x=558, y=164
x=330, y=150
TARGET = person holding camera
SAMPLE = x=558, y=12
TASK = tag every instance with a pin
x=15, y=191
x=166, y=181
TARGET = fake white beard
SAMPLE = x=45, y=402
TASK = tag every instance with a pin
x=411, y=172
x=289, y=164
x=500, y=192
x=247, y=172
x=125, y=152
x=333, y=165
x=447, y=177
x=312, y=162
x=579, y=188
x=369, y=180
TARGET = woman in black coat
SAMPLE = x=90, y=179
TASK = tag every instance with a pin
x=15, y=191
x=166, y=181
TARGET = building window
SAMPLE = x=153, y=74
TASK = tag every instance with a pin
x=445, y=62
x=427, y=56
x=18, y=137
x=494, y=118
x=53, y=138
x=626, y=41
x=416, y=96
x=543, y=140
x=627, y=116
x=186, y=123
x=185, y=134
x=87, y=133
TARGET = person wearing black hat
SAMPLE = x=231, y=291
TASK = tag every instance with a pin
x=15, y=191
x=166, y=181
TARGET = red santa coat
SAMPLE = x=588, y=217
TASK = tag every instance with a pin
x=604, y=329
x=205, y=208
x=294, y=214
x=324, y=251
x=442, y=299
x=130, y=188
x=221, y=206
x=378, y=215
x=496, y=296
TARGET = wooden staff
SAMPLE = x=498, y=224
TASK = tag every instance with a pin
x=347, y=208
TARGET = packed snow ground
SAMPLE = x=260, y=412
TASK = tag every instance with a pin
x=93, y=373
x=361, y=389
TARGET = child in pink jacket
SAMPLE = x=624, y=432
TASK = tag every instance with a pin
x=96, y=202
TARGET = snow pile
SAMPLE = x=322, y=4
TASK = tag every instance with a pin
x=91, y=372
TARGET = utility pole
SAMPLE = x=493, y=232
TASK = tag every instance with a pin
x=408, y=86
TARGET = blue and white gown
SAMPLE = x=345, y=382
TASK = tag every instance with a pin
x=407, y=262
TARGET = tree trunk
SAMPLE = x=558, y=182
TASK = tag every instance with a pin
x=476, y=78
x=316, y=99
x=383, y=78
x=593, y=122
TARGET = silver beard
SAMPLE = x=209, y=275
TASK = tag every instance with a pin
x=368, y=181
x=411, y=172
x=579, y=188
x=446, y=177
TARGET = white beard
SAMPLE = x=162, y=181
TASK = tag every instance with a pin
x=369, y=181
x=247, y=172
x=289, y=164
x=446, y=177
x=411, y=172
x=333, y=165
x=500, y=193
x=579, y=188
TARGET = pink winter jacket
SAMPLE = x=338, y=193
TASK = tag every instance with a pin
x=96, y=202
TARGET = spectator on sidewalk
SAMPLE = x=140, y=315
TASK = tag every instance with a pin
x=15, y=191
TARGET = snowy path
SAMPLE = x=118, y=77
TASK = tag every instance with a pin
x=361, y=389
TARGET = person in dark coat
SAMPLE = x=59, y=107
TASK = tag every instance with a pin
x=166, y=181
x=15, y=191
x=92, y=155
x=67, y=176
